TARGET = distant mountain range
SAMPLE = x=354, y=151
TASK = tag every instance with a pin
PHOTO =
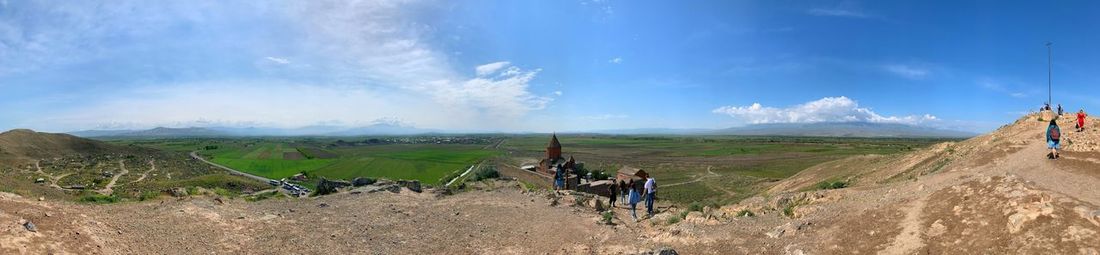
x=825, y=129
x=318, y=130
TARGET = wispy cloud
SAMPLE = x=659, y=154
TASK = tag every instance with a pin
x=1000, y=87
x=615, y=60
x=282, y=61
x=829, y=109
x=352, y=55
x=909, y=72
x=557, y=93
x=837, y=12
x=490, y=68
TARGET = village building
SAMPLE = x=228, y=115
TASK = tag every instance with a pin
x=627, y=173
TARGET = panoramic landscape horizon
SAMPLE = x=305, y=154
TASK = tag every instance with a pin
x=549, y=127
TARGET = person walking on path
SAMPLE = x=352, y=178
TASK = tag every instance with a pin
x=1081, y=120
x=623, y=192
x=651, y=193
x=613, y=190
x=634, y=198
x=1054, y=137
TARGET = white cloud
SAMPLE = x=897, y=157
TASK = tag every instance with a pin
x=490, y=68
x=837, y=12
x=281, y=61
x=615, y=60
x=1000, y=87
x=829, y=109
x=372, y=57
x=907, y=71
x=557, y=93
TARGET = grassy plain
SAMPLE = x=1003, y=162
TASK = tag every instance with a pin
x=266, y=157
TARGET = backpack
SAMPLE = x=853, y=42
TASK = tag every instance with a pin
x=1055, y=134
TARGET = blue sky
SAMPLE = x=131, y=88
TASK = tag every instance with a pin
x=539, y=65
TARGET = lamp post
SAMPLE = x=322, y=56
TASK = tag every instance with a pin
x=1049, y=81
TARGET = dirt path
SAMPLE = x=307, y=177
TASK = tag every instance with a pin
x=107, y=190
x=910, y=239
x=194, y=154
x=152, y=167
x=462, y=175
x=697, y=179
x=1031, y=164
x=53, y=178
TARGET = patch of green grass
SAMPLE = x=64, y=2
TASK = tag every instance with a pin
x=837, y=184
x=608, y=216
x=695, y=207
x=149, y=195
x=673, y=220
x=99, y=199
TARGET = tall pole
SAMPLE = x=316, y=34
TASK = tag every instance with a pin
x=1049, y=80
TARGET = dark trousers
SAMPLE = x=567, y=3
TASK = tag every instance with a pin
x=649, y=202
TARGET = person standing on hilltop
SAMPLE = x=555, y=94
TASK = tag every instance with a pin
x=1081, y=120
x=633, y=199
x=651, y=193
x=623, y=192
x=1054, y=137
x=1059, y=110
x=613, y=191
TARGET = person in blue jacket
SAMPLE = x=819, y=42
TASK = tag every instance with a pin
x=1054, y=138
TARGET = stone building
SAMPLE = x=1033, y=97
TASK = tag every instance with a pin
x=554, y=162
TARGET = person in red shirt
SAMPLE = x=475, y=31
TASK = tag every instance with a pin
x=1081, y=120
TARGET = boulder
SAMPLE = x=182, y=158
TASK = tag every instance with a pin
x=362, y=181
x=178, y=192
x=662, y=251
x=30, y=226
x=413, y=185
x=326, y=186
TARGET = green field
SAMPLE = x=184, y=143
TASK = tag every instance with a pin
x=268, y=157
x=707, y=169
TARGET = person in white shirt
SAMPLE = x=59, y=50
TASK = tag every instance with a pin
x=651, y=192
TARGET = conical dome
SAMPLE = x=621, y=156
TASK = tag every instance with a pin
x=554, y=142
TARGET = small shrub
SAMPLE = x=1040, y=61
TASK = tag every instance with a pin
x=488, y=172
x=608, y=216
x=148, y=195
x=745, y=213
x=684, y=214
x=832, y=185
x=789, y=210
x=673, y=220
x=695, y=207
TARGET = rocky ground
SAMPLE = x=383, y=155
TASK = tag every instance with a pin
x=993, y=194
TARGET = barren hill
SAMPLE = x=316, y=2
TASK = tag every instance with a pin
x=27, y=144
x=992, y=194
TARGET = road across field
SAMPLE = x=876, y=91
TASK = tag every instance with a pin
x=194, y=154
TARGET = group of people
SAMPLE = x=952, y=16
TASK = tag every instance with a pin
x=629, y=192
x=1054, y=133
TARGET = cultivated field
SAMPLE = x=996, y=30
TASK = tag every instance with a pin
x=279, y=158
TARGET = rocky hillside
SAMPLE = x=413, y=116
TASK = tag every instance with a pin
x=992, y=194
x=28, y=144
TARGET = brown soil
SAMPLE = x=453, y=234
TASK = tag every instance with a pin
x=293, y=156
